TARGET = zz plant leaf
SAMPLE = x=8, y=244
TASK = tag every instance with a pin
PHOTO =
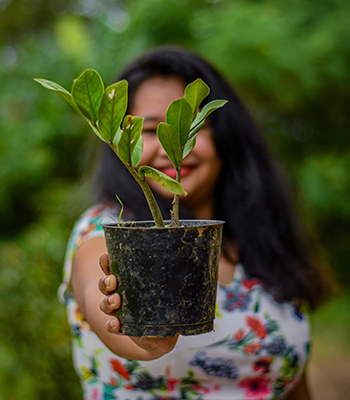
x=87, y=93
x=130, y=134
x=104, y=110
x=170, y=141
x=179, y=115
x=112, y=109
x=170, y=184
x=195, y=93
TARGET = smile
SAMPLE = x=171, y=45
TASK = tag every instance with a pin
x=171, y=172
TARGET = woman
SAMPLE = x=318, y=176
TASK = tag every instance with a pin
x=259, y=348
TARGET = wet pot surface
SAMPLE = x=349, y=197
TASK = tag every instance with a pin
x=167, y=276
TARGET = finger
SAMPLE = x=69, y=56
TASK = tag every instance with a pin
x=113, y=325
x=110, y=304
x=108, y=284
x=104, y=263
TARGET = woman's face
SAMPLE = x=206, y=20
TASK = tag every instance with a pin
x=200, y=169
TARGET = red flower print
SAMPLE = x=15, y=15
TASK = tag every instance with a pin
x=96, y=395
x=119, y=368
x=262, y=365
x=197, y=387
x=252, y=348
x=249, y=283
x=78, y=316
x=113, y=382
x=85, y=232
x=171, y=384
x=239, y=334
x=256, y=325
x=129, y=387
x=256, y=387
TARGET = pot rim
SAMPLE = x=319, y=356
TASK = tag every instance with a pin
x=150, y=224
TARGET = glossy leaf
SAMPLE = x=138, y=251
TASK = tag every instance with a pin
x=206, y=111
x=96, y=131
x=60, y=90
x=195, y=93
x=179, y=115
x=131, y=132
x=137, y=153
x=163, y=180
x=112, y=109
x=196, y=129
x=87, y=93
x=189, y=146
x=117, y=137
x=170, y=140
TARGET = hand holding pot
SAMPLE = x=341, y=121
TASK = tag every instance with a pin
x=112, y=302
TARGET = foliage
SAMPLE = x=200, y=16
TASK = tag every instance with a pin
x=289, y=60
x=104, y=109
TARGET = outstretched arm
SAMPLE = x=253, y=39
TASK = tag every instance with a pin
x=87, y=276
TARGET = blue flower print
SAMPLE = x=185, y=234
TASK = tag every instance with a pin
x=236, y=299
x=276, y=346
x=219, y=367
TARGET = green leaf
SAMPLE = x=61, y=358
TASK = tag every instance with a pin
x=117, y=137
x=179, y=115
x=131, y=132
x=137, y=153
x=206, y=111
x=96, y=131
x=170, y=140
x=189, y=146
x=196, y=129
x=112, y=109
x=195, y=93
x=87, y=93
x=163, y=180
x=58, y=89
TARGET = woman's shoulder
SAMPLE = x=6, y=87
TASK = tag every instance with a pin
x=90, y=223
x=87, y=226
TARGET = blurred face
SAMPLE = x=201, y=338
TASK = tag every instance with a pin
x=200, y=169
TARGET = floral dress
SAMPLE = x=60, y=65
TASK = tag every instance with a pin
x=258, y=349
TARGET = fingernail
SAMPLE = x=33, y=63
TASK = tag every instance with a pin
x=107, y=281
x=110, y=299
x=113, y=323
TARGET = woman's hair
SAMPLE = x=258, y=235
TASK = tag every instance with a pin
x=249, y=196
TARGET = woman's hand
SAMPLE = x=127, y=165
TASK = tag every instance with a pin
x=110, y=304
x=156, y=347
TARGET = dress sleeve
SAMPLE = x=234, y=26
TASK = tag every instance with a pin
x=85, y=228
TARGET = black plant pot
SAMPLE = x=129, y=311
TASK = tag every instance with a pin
x=167, y=276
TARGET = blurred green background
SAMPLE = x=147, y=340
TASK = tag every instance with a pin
x=289, y=60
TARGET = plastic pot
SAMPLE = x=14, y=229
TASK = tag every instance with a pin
x=167, y=276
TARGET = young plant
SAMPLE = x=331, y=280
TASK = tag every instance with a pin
x=105, y=108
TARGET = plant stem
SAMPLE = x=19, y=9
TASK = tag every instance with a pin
x=153, y=206
x=176, y=200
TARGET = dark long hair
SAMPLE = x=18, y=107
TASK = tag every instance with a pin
x=250, y=195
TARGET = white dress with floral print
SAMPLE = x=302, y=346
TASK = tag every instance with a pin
x=258, y=350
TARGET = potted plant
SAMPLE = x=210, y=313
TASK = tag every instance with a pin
x=182, y=254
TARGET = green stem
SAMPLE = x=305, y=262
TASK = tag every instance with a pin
x=152, y=203
x=153, y=206
x=176, y=200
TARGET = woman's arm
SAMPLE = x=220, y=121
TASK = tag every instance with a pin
x=86, y=275
x=300, y=391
